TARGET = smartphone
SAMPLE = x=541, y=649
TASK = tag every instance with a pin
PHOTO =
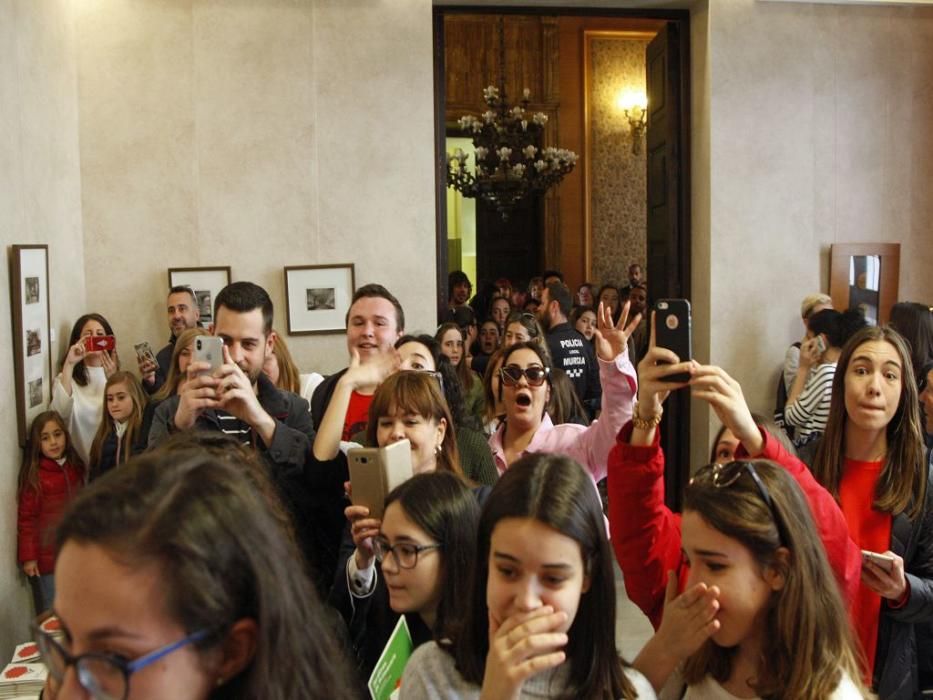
x=209, y=348
x=820, y=343
x=672, y=330
x=375, y=471
x=144, y=352
x=97, y=343
x=884, y=561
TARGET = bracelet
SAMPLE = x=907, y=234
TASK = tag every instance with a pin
x=646, y=423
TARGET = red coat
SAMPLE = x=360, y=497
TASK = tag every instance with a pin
x=646, y=534
x=40, y=511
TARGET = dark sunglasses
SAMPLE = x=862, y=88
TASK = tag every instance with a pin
x=535, y=375
x=724, y=475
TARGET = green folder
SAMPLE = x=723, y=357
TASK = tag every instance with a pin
x=387, y=675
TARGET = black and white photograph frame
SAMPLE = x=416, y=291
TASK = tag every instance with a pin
x=317, y=297
x=205, y=282
x=32, y=352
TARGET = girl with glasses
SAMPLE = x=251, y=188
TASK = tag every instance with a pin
x=525, y=389
x=424, y=547
x=176, y=580
x=539, y=616
x=650, y=542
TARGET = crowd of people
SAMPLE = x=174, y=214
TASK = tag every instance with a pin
x=193, y=527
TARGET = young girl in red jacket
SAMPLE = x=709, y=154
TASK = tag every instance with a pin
x=49, y=479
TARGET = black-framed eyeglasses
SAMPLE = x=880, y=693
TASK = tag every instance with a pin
x=404, y=553
x=104, y=676
x=724, y=475
x=535, y=374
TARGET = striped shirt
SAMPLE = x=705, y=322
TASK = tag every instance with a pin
x=234, y=427
x=809, y=413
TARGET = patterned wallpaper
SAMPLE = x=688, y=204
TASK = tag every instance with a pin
x=618, y=194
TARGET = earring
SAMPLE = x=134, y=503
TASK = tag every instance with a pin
x=437, y=450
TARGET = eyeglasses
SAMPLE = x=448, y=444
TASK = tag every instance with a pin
x=512, y=374
x=724, y=475
x=405, y=553
x=104, y=676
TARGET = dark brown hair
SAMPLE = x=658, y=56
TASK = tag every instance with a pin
x=222, y=557
x=29, y=471
x=556, y=491
x=902, y=484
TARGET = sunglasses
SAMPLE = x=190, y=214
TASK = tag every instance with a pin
x=534, y=375
x=724, y=475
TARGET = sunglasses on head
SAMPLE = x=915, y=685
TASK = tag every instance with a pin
x=534, y=375
x=724, y=475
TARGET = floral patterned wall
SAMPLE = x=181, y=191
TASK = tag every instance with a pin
x=618, y=177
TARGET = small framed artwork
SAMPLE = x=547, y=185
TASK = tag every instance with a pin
x=317, y=298
x=865, y=276
x=32, y=354
x=205, y=282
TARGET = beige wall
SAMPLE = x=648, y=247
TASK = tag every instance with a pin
x=818, y=126
x=39, y=203
x=255, y=135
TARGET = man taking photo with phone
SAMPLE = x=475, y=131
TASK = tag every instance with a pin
x=239, y=400
x=183, y=313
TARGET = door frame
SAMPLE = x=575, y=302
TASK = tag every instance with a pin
x=676, y=478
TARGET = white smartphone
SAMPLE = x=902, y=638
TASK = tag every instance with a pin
x=375, y=471
x=209, y=348
x=884, y=561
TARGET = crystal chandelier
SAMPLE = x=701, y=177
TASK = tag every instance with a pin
x=509, y=164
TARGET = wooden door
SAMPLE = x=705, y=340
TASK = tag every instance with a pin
x=668, y=239
x=512, y=248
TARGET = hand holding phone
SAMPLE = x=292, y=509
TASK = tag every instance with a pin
x=673, y=330
x=882, y=561
x=375, y=471
x=99, y=343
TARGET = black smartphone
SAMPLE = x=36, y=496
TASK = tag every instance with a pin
x=673, y=330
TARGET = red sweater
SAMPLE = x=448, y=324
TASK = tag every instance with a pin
x=646, y=533
x=40, y=511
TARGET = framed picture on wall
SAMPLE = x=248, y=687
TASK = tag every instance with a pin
x=317, y=298
x=865, y=276
x=32, y=354
x=205, y=282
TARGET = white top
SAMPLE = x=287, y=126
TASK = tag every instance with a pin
x=431, y=675
x=709, y=689
x=307, y=384
x=82, y=411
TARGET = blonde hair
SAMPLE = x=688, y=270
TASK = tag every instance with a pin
x=175, y=375
x=289, y=376
x=811, y=301
x=134, y=422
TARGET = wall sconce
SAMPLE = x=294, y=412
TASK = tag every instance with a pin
x=634, y=105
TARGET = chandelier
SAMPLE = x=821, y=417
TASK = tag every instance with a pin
x=509, y=164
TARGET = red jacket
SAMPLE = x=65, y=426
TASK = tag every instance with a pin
x=40, y=511
x=646, y=534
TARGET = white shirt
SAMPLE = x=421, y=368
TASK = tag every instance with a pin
x=82, y=411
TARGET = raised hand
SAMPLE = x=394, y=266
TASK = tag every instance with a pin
x=657, y=364
x=523, y=645
x=371, y=373
x=362, y=529
x=237, y=397
x=199, y=393
x=612, y=338
x=110, y=361
x=724, y=395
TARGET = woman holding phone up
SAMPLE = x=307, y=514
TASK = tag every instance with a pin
x=78, y=390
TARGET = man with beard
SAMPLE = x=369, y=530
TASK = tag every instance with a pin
x=570, y=351
x=242, y=402
x=183, y=313
x=459, y=289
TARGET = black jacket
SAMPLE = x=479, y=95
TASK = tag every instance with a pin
x=898, y=657
x=309, y=490
x=574, y=354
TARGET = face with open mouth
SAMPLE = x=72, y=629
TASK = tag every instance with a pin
x=524, y=403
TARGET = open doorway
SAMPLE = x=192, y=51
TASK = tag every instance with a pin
x=626, y=202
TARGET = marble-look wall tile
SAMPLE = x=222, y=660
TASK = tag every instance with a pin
x=618, y=176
